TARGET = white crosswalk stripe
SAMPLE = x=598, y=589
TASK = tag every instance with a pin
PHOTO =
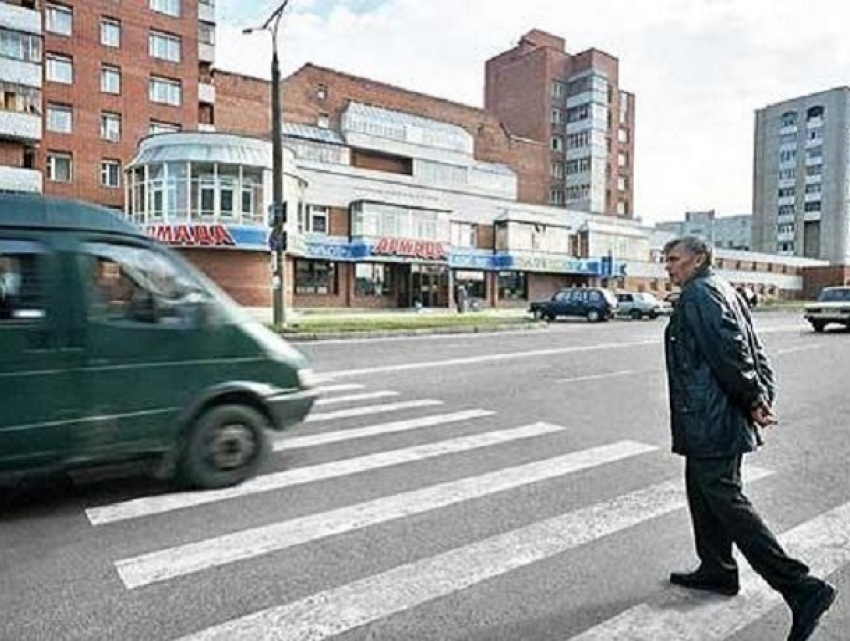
x=336, y=611
x=350, y=398
x=195, y=557
x=432, y=420
x=164, y=503
x=371, y=409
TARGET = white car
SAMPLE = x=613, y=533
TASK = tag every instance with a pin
x=833, y=306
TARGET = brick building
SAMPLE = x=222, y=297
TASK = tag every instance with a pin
x=573, y=104
x=113, y=72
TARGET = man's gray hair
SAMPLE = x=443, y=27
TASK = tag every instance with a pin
x=693, y=245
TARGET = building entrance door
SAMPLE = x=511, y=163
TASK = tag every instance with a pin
x=429, y=285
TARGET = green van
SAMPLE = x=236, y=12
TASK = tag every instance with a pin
x=114, y=348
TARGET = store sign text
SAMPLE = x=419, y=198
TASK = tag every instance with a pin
x=193, y=235
x=426, y=249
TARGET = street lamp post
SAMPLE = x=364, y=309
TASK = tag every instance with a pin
x=278, y=214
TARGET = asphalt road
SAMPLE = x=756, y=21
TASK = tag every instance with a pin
x=488, y=487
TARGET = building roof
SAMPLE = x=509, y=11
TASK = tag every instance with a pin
x=204, y=147
x=311, y=132
x=35, y=211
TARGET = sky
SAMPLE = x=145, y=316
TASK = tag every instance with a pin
x=699, y=68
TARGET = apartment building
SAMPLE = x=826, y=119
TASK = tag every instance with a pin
x=800, y=177
x=113, y=73
x=21, y=58
x=573, y=104
x=729, y=232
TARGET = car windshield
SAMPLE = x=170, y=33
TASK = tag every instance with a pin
x=835, y=294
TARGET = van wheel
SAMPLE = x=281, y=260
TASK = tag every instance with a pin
x=593, y=316
x=818, y=326
x=636, y=314
x=226, y=445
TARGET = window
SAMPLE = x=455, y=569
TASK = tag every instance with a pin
x=110, y=126
x=323, y=121
x=556, y=170
x=622, y=183
x=317, y=277
x=319, y=220
x=556, y=197
x=58, y=19
x=371, y=280
x=59, y=118
x=623, y=135
x=164, y=46
x=110, y=32
x=59, y=167
x=789, y=118
x=20, y=46
x=622, y=160
x=110, y=79
x=168, y=7
x=137, y=285
x=165, y=91
x=513, y=286
x=557, y=117
x=464, y=234
x=21, y=282
x=206, y=33
x=557, y=143
x=322, y=92
x=60, y=69
x=559, y=89
x=110, y=173
x=158, y=127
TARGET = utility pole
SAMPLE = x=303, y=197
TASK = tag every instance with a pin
x=278, y=214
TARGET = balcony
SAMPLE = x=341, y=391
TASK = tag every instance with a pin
x=206, y=12
x=784, y=236
x=15, y=125
x=206, y=93
x=18, y=179
x=811, y=216
x=206, y=52
x=20, y=72
x=20, y=19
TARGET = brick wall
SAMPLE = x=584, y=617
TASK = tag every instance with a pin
x=132, y=104
x=11, y=154
x=242, y=104
x=244, y=275
x=816, y=278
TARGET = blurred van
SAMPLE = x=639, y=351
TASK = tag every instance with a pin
x=114, y=348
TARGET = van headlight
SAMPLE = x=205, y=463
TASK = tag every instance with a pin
x=307, y=378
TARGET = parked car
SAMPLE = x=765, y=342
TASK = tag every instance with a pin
x=114, y=348
x=639, y=305
x=833, y=306
x=596, y=304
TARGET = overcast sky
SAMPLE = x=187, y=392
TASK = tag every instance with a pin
x=699, y=68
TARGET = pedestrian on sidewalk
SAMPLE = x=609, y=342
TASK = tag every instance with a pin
x=722, y=391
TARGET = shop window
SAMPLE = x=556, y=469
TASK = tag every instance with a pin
x=315, y=277
x=371, y=279
x=513, y=286
x=473, y=282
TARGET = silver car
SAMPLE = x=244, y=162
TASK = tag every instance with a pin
x=640, y=305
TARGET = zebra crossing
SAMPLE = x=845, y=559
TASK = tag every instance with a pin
x=671, y=614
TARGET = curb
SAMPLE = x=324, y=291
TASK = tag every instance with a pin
x=295, y=337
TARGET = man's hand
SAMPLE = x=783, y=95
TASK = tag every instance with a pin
x=763, y=415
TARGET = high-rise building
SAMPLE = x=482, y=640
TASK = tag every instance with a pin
x=20, y=95
x=729, y=232
x=574, y=104
x=800, y=177
x=113, y=72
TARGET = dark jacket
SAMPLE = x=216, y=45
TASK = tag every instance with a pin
x=717, y=371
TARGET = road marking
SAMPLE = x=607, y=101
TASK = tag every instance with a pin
x=801, y=348
x=335, y=611
x=366, y=396
x=343, y=387
x=371, y=409
x=489, y=358
x=288, y=443
x=195, y=557
x=596, y=377
x=150, y=505
x=824, y=542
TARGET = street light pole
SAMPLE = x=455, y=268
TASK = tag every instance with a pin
x=278, y=237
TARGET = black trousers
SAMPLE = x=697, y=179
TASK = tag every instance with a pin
x=722, y=515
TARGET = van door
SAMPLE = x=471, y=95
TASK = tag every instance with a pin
x=141, y=356
x=37, y=402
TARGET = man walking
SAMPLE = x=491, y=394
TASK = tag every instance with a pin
x=722, y=391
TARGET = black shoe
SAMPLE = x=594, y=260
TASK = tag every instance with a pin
x=809, y=610
x=700, y=580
